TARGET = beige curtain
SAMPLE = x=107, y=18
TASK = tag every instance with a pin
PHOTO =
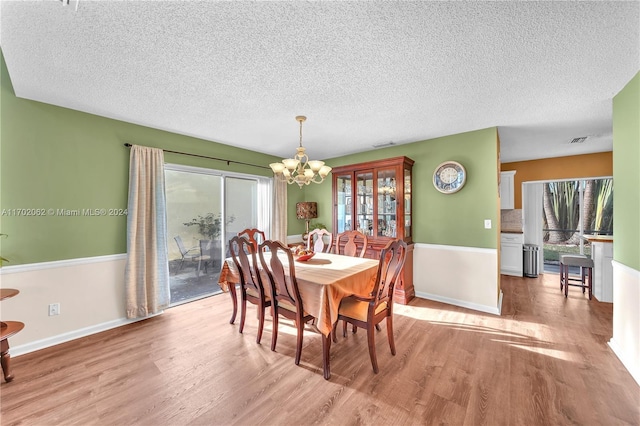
x=147, y=268
x=279, y=221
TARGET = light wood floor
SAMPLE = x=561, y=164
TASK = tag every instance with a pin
x=545, y=361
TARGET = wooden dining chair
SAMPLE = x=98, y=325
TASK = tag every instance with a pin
x=285, y=296
x=352, y=243
x=251, y=287
x=367, y=312
x=254, y=235
x=320, y=241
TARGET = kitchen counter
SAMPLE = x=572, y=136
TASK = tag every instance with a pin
x=511, y=231
x=602, y=255
x=598, y=238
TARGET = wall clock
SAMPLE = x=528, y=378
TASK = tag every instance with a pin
x=449, y=177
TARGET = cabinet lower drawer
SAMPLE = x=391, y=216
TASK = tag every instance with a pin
x=511, y=238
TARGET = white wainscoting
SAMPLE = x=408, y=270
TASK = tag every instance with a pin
x=461, y=276
x=625, y=341
x=90, y=292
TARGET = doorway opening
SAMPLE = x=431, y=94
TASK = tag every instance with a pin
x=568, y=210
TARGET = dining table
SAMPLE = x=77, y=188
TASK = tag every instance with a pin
x=323, y=281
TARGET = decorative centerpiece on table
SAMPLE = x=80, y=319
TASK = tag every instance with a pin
x=301, y=254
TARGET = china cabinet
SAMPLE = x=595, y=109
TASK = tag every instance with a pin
x=375, y=199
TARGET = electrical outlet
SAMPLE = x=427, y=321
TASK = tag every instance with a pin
x=54, y=309
x=487, y=224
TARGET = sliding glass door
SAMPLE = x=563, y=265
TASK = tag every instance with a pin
x=571, y=210
x=205, y=208
x=247, y=205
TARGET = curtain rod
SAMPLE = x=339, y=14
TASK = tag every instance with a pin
x=128, y=145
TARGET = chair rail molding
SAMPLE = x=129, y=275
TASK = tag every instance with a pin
x=27, y=267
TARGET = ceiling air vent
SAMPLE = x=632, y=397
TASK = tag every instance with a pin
x=384, y=144
x=578, y=140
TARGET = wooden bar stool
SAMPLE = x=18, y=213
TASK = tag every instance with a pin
x=586, y=271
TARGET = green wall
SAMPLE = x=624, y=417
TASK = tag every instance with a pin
x=456, y=219
x=626, y=174
x=57, y=158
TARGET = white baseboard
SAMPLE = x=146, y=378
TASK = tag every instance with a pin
x=635, y=372
x=462, y=303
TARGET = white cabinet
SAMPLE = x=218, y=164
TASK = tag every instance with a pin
x=511, y=254
x=506, y=190
x=602, y=255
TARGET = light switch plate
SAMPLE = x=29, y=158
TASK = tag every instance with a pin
x=487, y=224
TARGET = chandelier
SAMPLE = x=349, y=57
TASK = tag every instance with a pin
x=300, y=169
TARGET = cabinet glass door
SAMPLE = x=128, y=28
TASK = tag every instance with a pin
x=386, y=186
x=364, y=202
x=407, y=203
x=344, y=204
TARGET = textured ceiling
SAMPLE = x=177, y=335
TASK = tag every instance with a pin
x=363, y=72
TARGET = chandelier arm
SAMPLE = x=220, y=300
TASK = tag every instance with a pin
x=317, y=181
x=282, y=178
x=292, y=179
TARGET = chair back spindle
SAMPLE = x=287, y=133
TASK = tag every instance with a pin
x=320, y=241
x=255, y=236
x=352, y=243
x=392, y=259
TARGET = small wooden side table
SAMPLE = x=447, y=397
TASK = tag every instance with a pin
x=7, y=329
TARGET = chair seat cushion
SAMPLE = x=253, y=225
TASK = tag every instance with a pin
x=576, y=260
x=252, y=292
x=289, y=307
x=357, y=309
